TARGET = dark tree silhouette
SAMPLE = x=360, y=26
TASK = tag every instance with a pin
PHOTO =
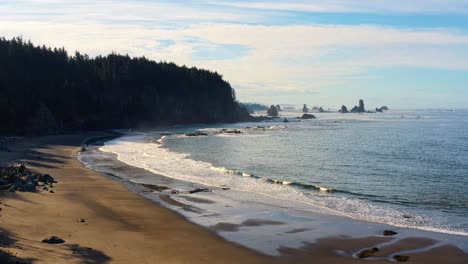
x=44, y=90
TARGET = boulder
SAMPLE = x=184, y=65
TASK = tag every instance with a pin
x=389, y=233
x=53, y=240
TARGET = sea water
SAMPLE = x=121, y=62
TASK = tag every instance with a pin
x=339, y=174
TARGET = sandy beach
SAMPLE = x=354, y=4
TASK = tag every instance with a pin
x=103, y=222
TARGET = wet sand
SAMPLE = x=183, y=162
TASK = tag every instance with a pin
x=123, y=227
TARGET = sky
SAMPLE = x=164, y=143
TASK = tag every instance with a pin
x=399, y=53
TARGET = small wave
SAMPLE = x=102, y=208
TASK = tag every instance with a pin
x=160, y=141
x=274, y=181
x=160, y=160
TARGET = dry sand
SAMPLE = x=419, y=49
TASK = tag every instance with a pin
x=123, y=227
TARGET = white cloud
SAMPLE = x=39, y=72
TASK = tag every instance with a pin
x=292, y=59
x=356, y=6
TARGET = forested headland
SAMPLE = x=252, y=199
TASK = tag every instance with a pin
x=45, y=90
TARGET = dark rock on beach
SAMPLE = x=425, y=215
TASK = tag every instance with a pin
x=53, y=240
x=19, y=178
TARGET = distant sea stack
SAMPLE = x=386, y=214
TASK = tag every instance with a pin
x=305, y=109
x=361, y=109
x=343, y=109
x=272, y=111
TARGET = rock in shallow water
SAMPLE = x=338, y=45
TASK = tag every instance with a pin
x=389, y=233
x=367, y=253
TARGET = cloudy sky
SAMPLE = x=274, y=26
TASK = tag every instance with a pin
x=401, y=53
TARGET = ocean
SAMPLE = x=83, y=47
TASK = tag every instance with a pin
x=279, y=183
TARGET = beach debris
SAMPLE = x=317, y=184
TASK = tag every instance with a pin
x=19, y=178
x=225, y=188
x=53, y=240
x=389, y=233
x=367, y=253
x=401, y=258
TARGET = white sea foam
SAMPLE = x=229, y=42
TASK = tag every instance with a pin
x=153, y=157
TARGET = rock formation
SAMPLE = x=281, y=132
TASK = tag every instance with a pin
x=305, y=109
x=307, y=116
x=343, y=109
x=272, y=111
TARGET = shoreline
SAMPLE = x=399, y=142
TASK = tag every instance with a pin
x=123, y=226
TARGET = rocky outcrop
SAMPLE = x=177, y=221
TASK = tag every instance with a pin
x=196, y=134
x=272, y=111
x=19, y=178
x=343, y=109
x=307, y=116
x=278, y=108
x=361, y=108
x=230, y=131
x=305, y=109
x=381, y=109
x=355, y=109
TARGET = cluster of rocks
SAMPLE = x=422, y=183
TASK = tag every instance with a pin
x=196, y=134
x=221, y=131
x=361, y=109
x=19, y=178
x=230, y=131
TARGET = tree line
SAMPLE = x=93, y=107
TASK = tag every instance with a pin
x=43, y=90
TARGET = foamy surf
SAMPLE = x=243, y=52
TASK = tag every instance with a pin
x=155, y=158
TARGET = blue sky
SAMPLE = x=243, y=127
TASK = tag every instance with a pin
x=400, y=53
